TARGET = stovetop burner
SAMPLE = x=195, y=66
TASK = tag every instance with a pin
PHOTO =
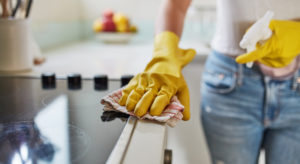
x=56, y=123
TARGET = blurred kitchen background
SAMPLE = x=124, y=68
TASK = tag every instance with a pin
x=59, y=22
x=63, y=30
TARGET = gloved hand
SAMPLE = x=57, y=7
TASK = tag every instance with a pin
x=153, y=89
x=278, y=51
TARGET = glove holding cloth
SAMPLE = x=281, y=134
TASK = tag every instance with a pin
x=278, y=51
x=153, y=89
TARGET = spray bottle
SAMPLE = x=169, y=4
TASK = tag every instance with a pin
x=258, y=32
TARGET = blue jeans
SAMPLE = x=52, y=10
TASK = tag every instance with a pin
x=244, y=111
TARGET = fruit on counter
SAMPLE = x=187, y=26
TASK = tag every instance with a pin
x=113, y=22
x=120, y=18
x=133, y=29
x=97, y=27
x=122, y=28
x=108, y=14
x=108, y=25
x=122, y=22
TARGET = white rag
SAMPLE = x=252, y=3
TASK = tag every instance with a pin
x=171, y=114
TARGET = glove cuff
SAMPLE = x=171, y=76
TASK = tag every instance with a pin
x=168, y=58
x=166, y=38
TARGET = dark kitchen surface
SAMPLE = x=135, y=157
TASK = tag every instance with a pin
x=56, y=120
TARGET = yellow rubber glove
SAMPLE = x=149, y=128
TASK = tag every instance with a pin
x=153, y=89
x=281, y=49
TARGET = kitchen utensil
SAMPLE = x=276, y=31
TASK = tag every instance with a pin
x=16, y=8
x=21, y=10
x=28, y=7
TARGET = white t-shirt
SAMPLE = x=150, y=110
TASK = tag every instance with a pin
x=235, y=16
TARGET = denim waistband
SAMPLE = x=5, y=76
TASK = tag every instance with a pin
x=242, y=70
x=231, y=63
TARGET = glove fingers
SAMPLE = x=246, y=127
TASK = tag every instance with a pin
x=144, y=104
x=126, y=91
x=184, y=98
x=250, y=57
x=273, y=24
x=136, y=94
x=133, y=98
x=161, y=101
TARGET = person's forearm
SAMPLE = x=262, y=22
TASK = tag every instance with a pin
x=171, y=16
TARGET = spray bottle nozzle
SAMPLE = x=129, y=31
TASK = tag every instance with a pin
x=258, y=32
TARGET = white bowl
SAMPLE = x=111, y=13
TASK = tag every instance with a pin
x=114, y=37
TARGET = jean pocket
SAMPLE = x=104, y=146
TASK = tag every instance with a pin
x=219, y=81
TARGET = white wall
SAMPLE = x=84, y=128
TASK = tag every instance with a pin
x=204, y=2
x=137, y=9
x=55, y=10
x=56, y=22
x=72, y=10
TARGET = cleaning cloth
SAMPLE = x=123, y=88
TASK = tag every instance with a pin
x=171, y=114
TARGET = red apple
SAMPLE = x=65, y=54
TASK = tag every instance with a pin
x=108, y=14
x=108, y=25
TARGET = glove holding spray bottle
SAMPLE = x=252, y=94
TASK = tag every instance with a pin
x=274, y=43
